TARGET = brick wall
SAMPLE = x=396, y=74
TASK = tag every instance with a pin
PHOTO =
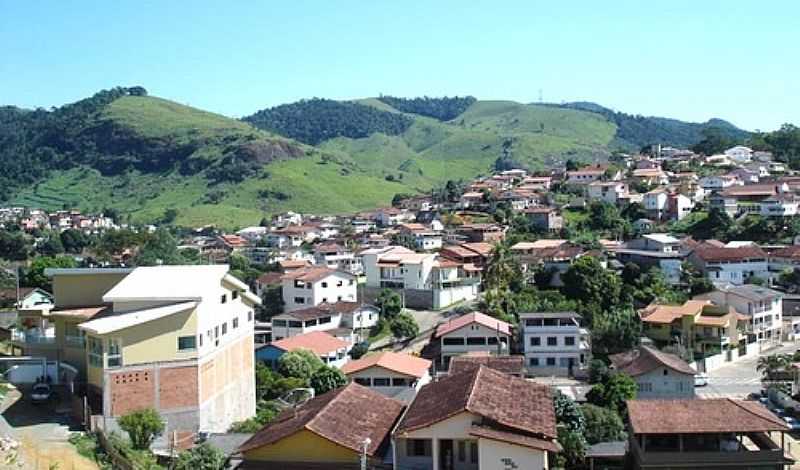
x=177, y=387
x=162, y=387
x=131, y=390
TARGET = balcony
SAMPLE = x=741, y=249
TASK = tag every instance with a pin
x=759, y=451
x=32, y=337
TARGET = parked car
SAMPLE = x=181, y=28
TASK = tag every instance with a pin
x=41, y=393
x=701, y=379
x=793, y=423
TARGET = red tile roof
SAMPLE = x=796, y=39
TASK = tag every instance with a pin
x=709, y=253
x=515, y=404
x=468, y=319
x=319, y=342
x=405, y=364
x=346, y=416
x=514, y=438
x=514, y=365
x=645, y=359
x=312, y=274
x=701, y=416
x=791, y=251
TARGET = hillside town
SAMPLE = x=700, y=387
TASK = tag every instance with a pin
x=638, y=313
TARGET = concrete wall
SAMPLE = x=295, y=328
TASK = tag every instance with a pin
x=416, y=299
x=495, y=455
x=671, y=385
x=80, y=290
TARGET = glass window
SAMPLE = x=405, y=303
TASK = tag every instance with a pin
x=295, y=324
x=381, y=382
x=324, y=284
x=186, y=343
x=418, y=447
x=398, y=382
x=476, y=340
x=114, y=358
x=536, y=341
x=551, y=361
x=236, y=323
x=462, y=451
x=552, y=341
x=453, y=341
x=223, y=299
x=533, y=362
x=569, y=341
x=224, y=328
x=250, y=315
x=278, y=322
x=324, y=320
x=95, y=352
x=491, y=340
x=299, y=300
x=234, y=295
x=362, y=381
x=216, y=332
x=473, y=452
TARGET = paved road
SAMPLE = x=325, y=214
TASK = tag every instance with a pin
x=740, y=378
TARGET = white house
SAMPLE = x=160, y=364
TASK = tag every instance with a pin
x=346, y=320
x=740, y=154
x=480, y=419
x=657, y=374
x=554, y=342
x=473, y=332
x=733, y=265
x=331, y=350
x=654, y=250
x=609, y=191
x=309, y=287
x=396, y=375
x=428, y=240
x=335, y=256
x=656, y=203
x=763, y=305
x=717, y=182
x=780, y=205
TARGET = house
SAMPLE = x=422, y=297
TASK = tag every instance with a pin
x=391, y=216
x=650, y=176
x=656, y=203
x=340, y=319
x=764, y=307
x=472, y=332
x=332, y=351
x=232, y=243
x=163, y=337
x=476, y=254
x=784, y=259
x=658, y=250
x=591, y=173
x=698, y=326
x=480, y=419
x=333, y=431
x=711, y=433
x=396, y=375
x=679, y=206
x=29, y=298
x=511, y=365
x=488, y=233
x=546, y=219
x=717, y=182
x=733, y=265
x=611, y=192
x=471, y=200
x=292, y=236
x=657, y=374
x=643, y=225
x=739, y=154
x=426, y=280
x=338, y=257
x=309, y=287
x=554, y=343
x=553, y=256
x=746, y=199
x=780, y=205
x=428, y=240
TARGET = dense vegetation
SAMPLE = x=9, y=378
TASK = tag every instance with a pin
x=636, y=131
x=443, y=109
x=316, y=120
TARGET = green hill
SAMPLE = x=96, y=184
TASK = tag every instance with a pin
x=143, y=155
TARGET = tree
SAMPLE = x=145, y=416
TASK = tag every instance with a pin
x=716, y=225
x=34, y=276
x=501, y=270
x=568, y=414
x=572, y=165
x=52, y=245
x=359, y=350
x=574, y=449
x=142, y=427
x=201, y=457
x=169, y=216
x=613, y=393
x=598, y=371
x=404, y=326
x=390, y=303
x=159, y=248
x=591, y=284
x=74, y=241
x=300, y=363
x=769, y=365
x=13, y=246
x=327, y=378
x=714, y=141
x=615, y=330
x=602, y=425
x=272, y=300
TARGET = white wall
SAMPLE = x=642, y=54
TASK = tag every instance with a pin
x=494, y=455
x=669, y=385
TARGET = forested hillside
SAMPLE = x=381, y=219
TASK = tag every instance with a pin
x=635, y=131
x=443, y=109
x=316, y=120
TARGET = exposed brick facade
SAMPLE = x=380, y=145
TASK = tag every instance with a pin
x=177, y=387
x=131, y=391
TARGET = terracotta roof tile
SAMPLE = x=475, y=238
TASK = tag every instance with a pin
x=405, y=364
x=710, y=253
x=319, y=342
x=510, y=402
x=322, y=310
x=312, y=274
x=645, y=359
x=487, y=432
x=701, y=416
x=514, y=365
x=346, y=416
x=469, y=318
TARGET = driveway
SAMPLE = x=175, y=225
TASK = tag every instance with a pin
x=739, y=378
x=42, y=431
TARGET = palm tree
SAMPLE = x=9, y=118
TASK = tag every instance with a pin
x=769, y=365
x=501, y=269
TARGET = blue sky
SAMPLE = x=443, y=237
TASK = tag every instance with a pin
x=689, y=60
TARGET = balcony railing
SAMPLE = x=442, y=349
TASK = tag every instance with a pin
x=32, y=338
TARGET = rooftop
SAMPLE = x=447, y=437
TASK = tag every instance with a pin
x=405, y=364
x=513, y=365
x=319, y=342
x=469, y=318
x=722, y=415
x=645, y=359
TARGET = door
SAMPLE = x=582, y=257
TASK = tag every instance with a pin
x=446, y=454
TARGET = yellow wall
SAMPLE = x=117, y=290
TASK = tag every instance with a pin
x=94, y=375
x=157, y=340
x=303, y=446
x=80, y=290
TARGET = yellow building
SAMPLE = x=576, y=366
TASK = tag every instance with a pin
x=175, y=338
x=331, y=431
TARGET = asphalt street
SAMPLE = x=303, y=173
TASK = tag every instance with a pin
x=740, y=378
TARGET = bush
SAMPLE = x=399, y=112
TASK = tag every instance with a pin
x=142, y=427
x=359, y=349
x=404, y=326
x=602, y=425
x=300, y=364
x=327, y=378
x=202, y=457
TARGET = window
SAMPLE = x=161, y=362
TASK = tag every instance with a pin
x=200, y=339
x=95, y=352
x=476, y=340
x=250, y=315
x=278, y=323
x=363, y=381
x=224, y=328
x=216, y=332
x=552, y=341
x=324, y=300
x=536, y=341
x=473, y=452
x=234, y=295
x=418, y=447
x=381, y=382
x=114, y=358
x=350, y=283
x=665, y=372
x=453, y=341
x=645, y=387
x=295, y=324
x=569, y=341
x=491, y=340
x=324, y=320
x=339, y=284
x=235, y=323
x=324, y=284
x=551, y=322
x=186, y=343
x=533, y=362
x=551, y=361
x=462, y=451
x=399, y=382
x=299, y=300
x=223, y=299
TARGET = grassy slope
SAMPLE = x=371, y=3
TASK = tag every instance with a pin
x=428, y=153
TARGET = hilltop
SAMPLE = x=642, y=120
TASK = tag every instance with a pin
x=144, y=155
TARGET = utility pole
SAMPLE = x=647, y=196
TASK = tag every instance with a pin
x=367, y=442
